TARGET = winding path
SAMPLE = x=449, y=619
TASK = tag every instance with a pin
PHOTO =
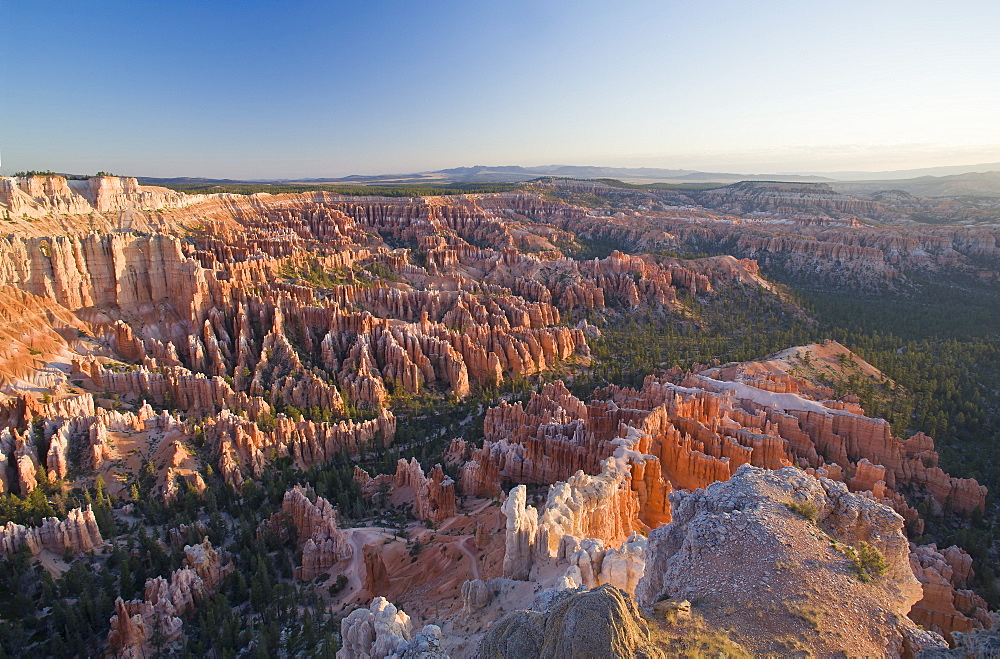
x=463, y=546
x=355, y=571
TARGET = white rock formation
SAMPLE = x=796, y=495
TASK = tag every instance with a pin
x=593, y=565
x=522, y=527
x=583, y=519
x=384, y=632
x=381, y=630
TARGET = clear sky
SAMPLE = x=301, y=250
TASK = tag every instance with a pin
x=253, y=89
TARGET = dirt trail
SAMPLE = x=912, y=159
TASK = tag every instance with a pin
x=463, y=546
x=355, y=571
x=472, y=513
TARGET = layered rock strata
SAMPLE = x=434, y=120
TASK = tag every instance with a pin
x=297, y=308
x=38, y=196
x=947, y=605
x=587, y=522
x=695, y=430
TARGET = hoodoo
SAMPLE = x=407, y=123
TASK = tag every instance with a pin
x=237, y=423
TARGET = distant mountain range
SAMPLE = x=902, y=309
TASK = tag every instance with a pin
x=517, y=174
x=481, y=174
x=965, y=180
x=949, y=170
x=972, y=184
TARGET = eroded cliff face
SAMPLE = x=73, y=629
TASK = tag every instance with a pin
x=807, y=203
x=432, y=496
x=947, y=606
x=77, y=534
x=38, y=196
x=754, y=418
x=279, y=308
x=581, y=516
x=323, y=543
x=692, y=430
x=685, y=432
x=859, y=241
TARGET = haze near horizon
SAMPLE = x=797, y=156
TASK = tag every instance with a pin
x=265, y=90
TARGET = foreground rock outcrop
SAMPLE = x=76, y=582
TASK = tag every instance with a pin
x=598, y=623
x=782, y=555
x=383, y=631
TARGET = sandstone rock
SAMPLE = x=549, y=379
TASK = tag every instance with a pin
x=624, y=566
x=476, y=594
x=40, y=196
x=522, y=529
x=426, y=644
x=978, y=643
x=100, y=449
x=76, y=534
x=381, y=630
x=433, y=497
x=602, y=508
x=245, y=448
x=376, y=575
x=269, y=308
x=128, y=629
x=165, y=602
x=700, y=432
x=323, y=543
x=945, y=608
x=597, y=623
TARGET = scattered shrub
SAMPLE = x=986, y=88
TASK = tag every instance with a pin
x=867, y=561
x=338, y=585
x=805, y=509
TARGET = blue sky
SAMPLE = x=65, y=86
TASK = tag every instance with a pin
x=294, y=89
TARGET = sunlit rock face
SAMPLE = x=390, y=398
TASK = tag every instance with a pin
x=76, y=534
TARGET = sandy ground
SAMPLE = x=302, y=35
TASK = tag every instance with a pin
x=808, y=366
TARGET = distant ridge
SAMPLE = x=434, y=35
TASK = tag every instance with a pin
x=514, y=174
x=510, y=173
x=920, y=182
x=971, y=184
x=948, y=170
